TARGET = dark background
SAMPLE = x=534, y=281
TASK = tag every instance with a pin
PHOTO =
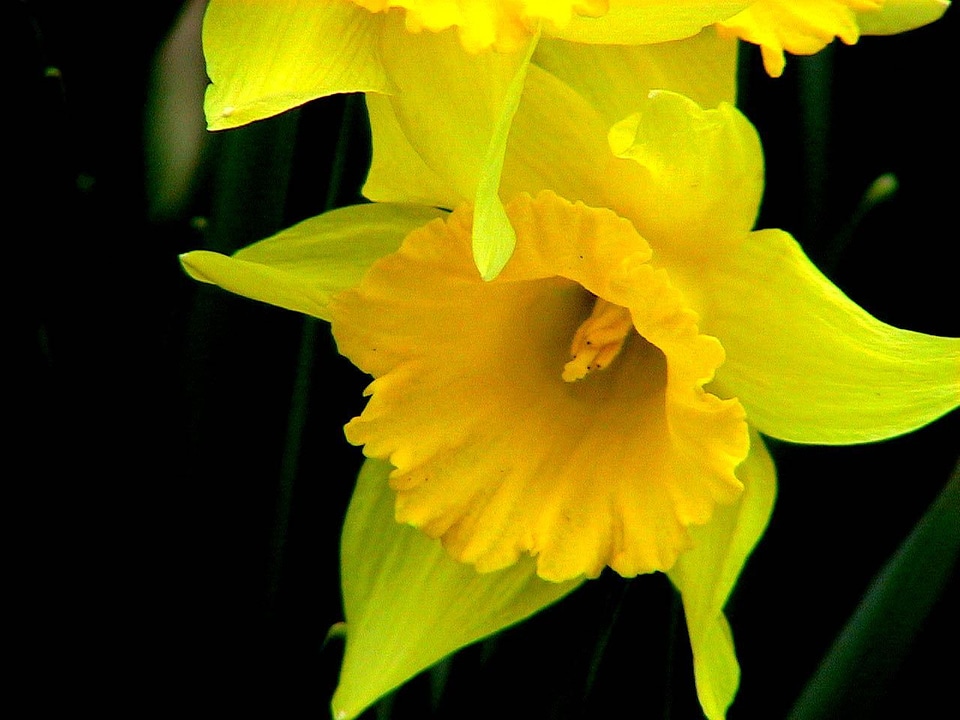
x=171, y=546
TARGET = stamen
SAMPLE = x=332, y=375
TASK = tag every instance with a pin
x=598, y=340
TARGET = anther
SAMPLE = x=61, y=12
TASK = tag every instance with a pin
x=598, y=340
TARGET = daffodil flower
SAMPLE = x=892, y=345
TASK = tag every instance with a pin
x=600, y=402
x=267, y=56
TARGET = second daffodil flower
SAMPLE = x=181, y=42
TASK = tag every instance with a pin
x=600, y=402
x=267, y=56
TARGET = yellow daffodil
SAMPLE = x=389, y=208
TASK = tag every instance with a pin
x=266, y=56
x=597, y=404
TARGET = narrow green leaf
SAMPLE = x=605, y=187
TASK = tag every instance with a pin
x=870, y=648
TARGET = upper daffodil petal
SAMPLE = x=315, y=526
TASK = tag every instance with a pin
x=408, y=604
x=465, y=144
x=897, y=16
x=474, y=91
x=808, y=363
x=498, y=448
x=804, y=27
x=267, y=56
x=301, y=267
x=641, y=22
x=706, y=574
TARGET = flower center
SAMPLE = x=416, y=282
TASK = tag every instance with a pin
x=490, y=452
x=598, y=340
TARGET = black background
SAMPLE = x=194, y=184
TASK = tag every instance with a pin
x=147, y=415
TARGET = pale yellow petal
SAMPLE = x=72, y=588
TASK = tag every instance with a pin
x=267, y=56
x=897, y=16
x=615, y=79
x=493, y=236
x=706, y=574
x=689, y=179
x=807, y=362
x=408, y=604
x=494, y=451
x=398, y=173
x=448, y=102
x=559, y=142
x=464, y=144
x=301, y=267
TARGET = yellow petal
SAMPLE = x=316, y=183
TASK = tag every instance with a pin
x=706, y=574
x=267, y=56
x=702, y=173
x=808, y=363
x=494, y=451
x=448, y=102
x=639, y=22
x=804, y=27
x=689, y=179
x=616, y=79
x=558, y=142
x=301, y=267
x=897, y=16
x=408, y=604
x=463, y=145
x=493, y=236
x=482, y=24
x=398, y=173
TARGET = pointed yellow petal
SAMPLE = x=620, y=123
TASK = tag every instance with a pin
x=461, y=146
x=267, y=56
x=897, y=16
x=638, y=22
x=408, y=604
x=301, y=267
x=706, y=574
x=493, y=236
x=495, y=449
x=448, y=102
x=808, y=363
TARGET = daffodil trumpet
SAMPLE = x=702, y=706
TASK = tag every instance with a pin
x=508, y=447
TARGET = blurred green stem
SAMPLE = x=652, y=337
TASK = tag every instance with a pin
x=300, y=400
